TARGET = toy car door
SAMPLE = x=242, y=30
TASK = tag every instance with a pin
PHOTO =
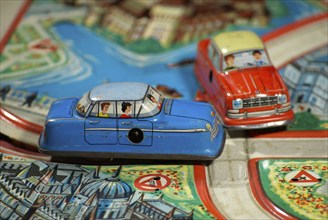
x=100, y=125
x=211, y=66
x=131, y=129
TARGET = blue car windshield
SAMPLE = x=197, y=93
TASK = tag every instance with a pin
x=83, y=104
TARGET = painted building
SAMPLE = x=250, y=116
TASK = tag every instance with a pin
x=178, y=21
x=307, y=81
x=201, y=26
x=94, y=15
x=118, y=21
x=40, y=190
x=139, y=28
x=205, y=21
x=163, y=23
x=156, y=208
x=138, y=8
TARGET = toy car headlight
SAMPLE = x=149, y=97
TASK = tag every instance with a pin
x=208, y=126
x=282, y=98
x=237, y=104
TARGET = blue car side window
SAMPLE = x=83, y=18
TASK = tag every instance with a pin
x=104, y=109
x=143, y=109
x=112, y=110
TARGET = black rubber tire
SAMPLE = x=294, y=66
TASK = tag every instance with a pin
x=135, y=135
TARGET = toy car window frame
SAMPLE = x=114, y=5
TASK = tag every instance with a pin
x=210, y=50
x=214, y=56
x=140, y=108
x=155, y=110
x=114, y=107
x=86, y=105
x=216, y=60
x=148, y=113
x=96, y=108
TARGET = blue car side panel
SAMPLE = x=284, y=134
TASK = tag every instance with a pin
x=65, y=133
x=125, y=125
x=101, y=130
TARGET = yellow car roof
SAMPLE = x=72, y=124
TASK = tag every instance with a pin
x=229, y=42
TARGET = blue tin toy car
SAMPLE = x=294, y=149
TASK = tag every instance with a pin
x=132, y=120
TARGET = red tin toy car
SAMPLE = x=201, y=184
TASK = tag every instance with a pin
x=238, y=79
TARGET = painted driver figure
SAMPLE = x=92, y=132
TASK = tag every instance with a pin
x=230, y=60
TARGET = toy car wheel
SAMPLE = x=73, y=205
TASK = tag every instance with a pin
x=135, y=135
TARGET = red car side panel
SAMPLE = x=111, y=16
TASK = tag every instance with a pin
x=216, y=91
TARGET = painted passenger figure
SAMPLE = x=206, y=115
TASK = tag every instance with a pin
x=258, y=58
x=126, y=109
x=80, y=108
x=153, y=100
x=104, y=109
x=230, y=60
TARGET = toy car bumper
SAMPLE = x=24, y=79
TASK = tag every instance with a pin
x=275, y=120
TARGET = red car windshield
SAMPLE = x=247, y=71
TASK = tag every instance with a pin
x=245, y=59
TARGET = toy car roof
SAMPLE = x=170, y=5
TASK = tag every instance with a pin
x=119, y=91
x=237, y=41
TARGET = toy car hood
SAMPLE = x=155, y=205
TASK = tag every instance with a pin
x=254, y=81
x=188, y=109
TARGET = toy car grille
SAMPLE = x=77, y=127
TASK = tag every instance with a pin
x=260, y=101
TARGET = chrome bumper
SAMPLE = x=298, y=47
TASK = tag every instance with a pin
x=259, y=113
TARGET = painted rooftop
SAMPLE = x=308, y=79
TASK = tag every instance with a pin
x=119, y=91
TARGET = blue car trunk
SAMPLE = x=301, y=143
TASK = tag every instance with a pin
x=62, y=108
